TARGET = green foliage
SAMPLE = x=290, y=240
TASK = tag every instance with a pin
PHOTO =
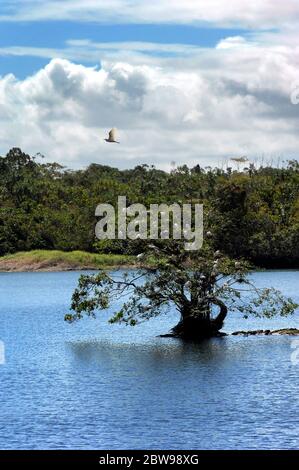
x=252, y=214
x=192, y=282
x=47, y=259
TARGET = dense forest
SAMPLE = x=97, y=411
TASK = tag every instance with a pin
x=252, y=214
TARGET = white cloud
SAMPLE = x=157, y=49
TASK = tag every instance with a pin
x=247, y=13
x=201, y=107
x=234, y=41
x=93, y=52
x=196, y=105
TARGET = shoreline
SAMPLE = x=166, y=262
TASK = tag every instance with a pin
x=59, y=261
x=63, y=261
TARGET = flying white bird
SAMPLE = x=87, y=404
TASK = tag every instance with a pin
x=112, y=137
x=240, y=159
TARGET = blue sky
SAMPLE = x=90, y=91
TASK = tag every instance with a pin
x=191, y=81
x=55, y=34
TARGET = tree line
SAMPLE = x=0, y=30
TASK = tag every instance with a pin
x=251, y=214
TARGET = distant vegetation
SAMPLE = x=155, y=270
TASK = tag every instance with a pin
x=52, y=260
x=253, y=214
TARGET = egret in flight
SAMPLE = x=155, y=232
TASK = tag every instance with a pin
x=112, y=137
x=240, y=159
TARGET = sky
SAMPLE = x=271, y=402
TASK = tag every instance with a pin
x=191, y=82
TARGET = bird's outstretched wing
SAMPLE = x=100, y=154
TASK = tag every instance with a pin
x=112, y=135
x=240, y=160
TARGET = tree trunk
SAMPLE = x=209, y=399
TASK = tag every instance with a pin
x=200, y=325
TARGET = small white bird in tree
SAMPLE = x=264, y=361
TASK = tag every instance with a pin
x=112, y=137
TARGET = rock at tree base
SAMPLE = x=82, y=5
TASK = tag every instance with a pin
x=283, y=331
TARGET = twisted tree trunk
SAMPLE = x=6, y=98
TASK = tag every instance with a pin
x=199, y=325
x=218, y=322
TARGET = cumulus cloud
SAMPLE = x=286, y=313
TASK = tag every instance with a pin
x=248, y=13
x=202, y=107
x=194, y=105
x=234, y=41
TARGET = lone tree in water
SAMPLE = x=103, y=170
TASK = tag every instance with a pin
x=203, y=286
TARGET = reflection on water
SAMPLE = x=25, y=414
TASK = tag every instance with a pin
x=172, y=353
x=94, y=385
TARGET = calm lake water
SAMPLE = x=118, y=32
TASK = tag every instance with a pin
x=95, y=385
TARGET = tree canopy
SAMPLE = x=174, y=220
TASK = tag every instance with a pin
x=253, y=214
x=191, y=282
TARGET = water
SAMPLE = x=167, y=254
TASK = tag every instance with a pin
x=94, y=386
